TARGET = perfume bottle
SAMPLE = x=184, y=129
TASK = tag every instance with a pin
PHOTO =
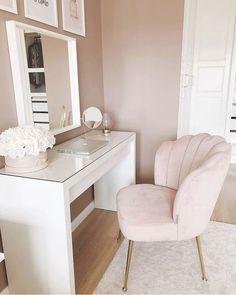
x=63, y=117
x=70, y=118
x=106, y=123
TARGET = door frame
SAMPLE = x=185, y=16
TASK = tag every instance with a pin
x=186, y=74
x=186, y=78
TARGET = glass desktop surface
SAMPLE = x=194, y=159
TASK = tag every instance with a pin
x=62, y=166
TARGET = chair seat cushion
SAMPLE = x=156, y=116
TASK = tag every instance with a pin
x=145, y=212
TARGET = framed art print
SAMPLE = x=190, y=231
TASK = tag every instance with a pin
x=8, y=5
x=73, y=16
x=44, y=11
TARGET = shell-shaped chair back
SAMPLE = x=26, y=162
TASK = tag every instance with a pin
x=194, y=166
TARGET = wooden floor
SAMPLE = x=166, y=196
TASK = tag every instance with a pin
x=94, y=244
x=225, y=209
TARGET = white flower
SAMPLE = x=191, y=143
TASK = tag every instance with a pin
x=26, y=140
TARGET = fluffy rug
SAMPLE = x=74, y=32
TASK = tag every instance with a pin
x=173, y=267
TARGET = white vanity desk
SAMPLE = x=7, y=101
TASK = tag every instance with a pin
x=35, y=211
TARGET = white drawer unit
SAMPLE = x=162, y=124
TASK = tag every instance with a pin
x=40, y=117
x=35, y=211
x=233, y=114
x=40, y=111
x=233, y=125
x=40, y=106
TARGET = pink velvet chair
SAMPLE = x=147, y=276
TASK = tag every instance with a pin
x=189, y=174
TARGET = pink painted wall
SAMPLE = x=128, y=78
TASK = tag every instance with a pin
x=141, y=71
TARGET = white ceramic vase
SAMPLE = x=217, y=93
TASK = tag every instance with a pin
x=26, y=164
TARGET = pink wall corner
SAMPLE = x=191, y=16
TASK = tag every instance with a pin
x=141, y=70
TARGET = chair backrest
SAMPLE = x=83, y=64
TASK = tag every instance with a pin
x=196, y=167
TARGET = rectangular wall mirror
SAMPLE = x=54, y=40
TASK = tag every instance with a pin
x=45, y=76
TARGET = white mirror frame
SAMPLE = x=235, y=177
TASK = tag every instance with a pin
x=18, y=59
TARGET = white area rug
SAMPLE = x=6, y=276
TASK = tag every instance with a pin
x=173, y=267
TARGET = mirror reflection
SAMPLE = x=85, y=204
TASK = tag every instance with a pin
x=49, y=79
x=92, y=117
x=45, y=64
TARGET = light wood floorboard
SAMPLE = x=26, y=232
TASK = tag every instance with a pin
x=225, y=209
x=94, y=245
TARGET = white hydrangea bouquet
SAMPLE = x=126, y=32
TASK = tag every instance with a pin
x=25, y=148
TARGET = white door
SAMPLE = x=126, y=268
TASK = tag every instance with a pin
x=206, y=66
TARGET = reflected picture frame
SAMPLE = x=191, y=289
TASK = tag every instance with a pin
x=42, y=11
x=73, y=16
x=9, y=6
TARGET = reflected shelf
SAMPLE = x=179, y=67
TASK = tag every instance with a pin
x=36, y=70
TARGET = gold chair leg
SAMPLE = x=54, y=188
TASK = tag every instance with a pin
x=199, y=248
x=131, y=243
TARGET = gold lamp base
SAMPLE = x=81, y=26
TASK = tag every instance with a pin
x=106, y=131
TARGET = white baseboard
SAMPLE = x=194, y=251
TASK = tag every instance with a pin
x=233, y=159
x=76, y=222
x=1, y=257
x=5, y=291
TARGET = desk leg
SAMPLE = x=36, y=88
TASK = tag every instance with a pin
x=36, y=234
x=123, y=174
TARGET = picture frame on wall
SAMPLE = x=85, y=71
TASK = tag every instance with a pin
x=9, y=5
x=73, y=16
x=42, y=11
